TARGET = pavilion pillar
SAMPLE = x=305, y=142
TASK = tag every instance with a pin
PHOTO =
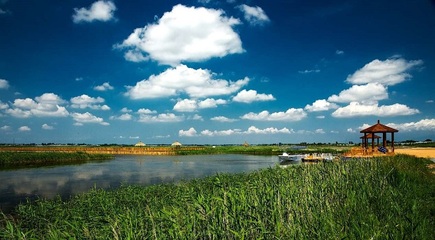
x=392, y=141
x=384, y=139
x=373, y=143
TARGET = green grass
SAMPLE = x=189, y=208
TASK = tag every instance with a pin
x=386, y=198
x=10, y=160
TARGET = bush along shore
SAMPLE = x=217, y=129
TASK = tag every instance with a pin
x=380, y=198
x=10, y=160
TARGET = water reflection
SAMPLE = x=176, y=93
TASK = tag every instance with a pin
x=17, y=185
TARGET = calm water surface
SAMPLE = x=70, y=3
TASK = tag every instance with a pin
x=18, y=185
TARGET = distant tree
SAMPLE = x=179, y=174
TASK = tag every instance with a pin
x=428, y=140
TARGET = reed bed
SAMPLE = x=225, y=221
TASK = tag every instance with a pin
x=10, y=160
x=385, y=198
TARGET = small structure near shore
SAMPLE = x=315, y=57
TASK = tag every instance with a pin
x=140, y=144
x=370, y=133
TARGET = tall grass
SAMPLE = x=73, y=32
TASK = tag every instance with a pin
x=387, y=198
x=34, y=159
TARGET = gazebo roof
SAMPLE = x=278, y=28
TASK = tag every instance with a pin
x=370, y=136
x=379, y=128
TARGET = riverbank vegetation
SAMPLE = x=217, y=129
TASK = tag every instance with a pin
x=380, y=198
x=10, y=160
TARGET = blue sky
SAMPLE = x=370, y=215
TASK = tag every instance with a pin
x=215, y=72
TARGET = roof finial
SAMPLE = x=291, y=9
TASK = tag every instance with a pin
x=378, y=121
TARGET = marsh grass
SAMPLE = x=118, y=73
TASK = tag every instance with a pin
x=13, y=160
x=386, y=198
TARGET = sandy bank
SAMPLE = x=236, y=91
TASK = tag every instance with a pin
x=418, y=152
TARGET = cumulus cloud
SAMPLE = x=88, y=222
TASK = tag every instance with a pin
x=389, y=72
x=104, y=87
x=163, y=117
x=82, y=118
x=292, y=114
x=184, y=34
x=251, y=130
x=369, y=93
x=5, y=128
x=422, y=125
x=24, y=129
x=252, y=96
x=85, y=101
x=355, y=109
x=47, y=127
x=270, y=130
x=197, y=83
x=222, y=119
x=99, y=11
x=191, y=105
x=4, y=84
x=320, y=105
x=187, y=133
x=254, y=15
x=122, y=117
x=46, y=105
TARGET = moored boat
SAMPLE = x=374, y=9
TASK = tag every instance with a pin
x=285, y=158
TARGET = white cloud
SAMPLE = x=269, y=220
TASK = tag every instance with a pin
x=104, y=87
x=24, y=129
x=196, y=117
x=389, y=72
x=99, y=11
x=252, y=96
x=188, y=133
x=3, y=106
x=339, y=52
x=184, y=34
x=211, y=103
x=369, y=93
x=319, y=131
x=355, y=109
x=47, y=127
x=82, y=118
x=270, y=130
x=196, y=83
x=126, y=110
x=222, y=119
x=320, y=105
x=186, y=105
x=254, y=15
x=122, y=117
x=191, y=105
x=350, y=130
x=146, y=111
x=46, y=105
x=228, y=132
x=4, y=84
x=163, y=117
x=422, y=125
x=429, y=101
x=84, y=101
x=309, y=71
x=5, y=128
x=292, y=114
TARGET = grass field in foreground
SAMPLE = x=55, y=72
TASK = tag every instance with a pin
x=385, y=198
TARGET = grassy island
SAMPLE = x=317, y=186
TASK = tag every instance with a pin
x=379, y=198
x=10, y=160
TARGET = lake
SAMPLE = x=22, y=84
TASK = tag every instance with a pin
x=48, y=182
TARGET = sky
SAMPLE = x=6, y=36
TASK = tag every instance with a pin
x=215, y=72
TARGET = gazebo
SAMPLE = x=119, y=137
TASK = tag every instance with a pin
x=365, y=138
x=370, y=132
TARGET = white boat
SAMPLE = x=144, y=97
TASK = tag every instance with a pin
x=285, y=158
